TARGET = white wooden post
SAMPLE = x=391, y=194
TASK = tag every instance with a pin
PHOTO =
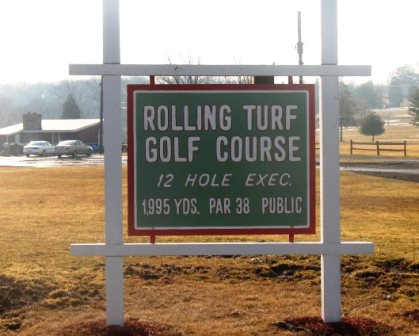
x=113, y=170
x=330, y=246
x=329, y=166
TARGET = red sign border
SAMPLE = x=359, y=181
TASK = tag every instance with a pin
x=132, y=231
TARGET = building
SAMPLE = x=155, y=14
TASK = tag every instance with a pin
x=54, y=130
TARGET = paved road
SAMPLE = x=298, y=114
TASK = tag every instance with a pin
x=52, y=161
x=407, y=169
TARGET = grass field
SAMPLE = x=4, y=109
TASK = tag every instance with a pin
x=44, y=291
x=393, y=133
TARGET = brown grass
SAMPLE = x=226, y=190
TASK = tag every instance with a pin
x=44, y=290
x=409, y=133
x=393, y=133
x=384, y=211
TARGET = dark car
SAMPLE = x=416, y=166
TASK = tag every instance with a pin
x=73, y=148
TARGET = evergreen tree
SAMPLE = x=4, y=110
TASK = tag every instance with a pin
x=71, y=109
x=372, y=124
x=414, y=109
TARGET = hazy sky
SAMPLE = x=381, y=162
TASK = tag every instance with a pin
x=39, y=38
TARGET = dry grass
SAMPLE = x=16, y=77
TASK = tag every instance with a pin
x=43, y=289
x=392, y=133
x=384, y=211
x=409, y=133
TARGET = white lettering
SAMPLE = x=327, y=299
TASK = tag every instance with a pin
x=148, y=118
x=219, y=206
x=289, y=115
x=192, y=147
x=150, y=153
x=264, y=148
x=293, y=148
x=205, y=180
x=268, y=180
x=249, y=109
x=221, y=141
x=162, y=118
x=276, y=117
x=168, y=149
x=225, y=120
x=282, y=205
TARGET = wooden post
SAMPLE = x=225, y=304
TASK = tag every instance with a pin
x=330, y=246
x=329, y=166
x=405, y=148
x=113, y=167
x=351, y=147
x=378, y=147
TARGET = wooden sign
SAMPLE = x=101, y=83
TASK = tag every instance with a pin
x=221, y=159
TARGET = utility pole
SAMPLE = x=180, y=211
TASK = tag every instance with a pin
x=300, y=45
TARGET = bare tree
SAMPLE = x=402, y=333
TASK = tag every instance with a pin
x=86, y=93
x=239, y=79
x=90, y=100
x=202, y=79
x=414, y=108
x=67, y=87
x=348, y=108
x=185, y=79
x=5, y=107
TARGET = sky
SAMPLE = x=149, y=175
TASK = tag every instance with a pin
x=40, y=38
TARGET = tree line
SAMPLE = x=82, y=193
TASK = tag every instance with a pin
x=356, y=101
x=81, y=98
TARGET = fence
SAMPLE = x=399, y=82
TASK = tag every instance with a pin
x=380, y=146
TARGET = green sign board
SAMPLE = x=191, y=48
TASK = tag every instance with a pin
x=220, y=159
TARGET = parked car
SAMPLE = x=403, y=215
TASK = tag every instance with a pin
x=73, y=148
x=38, y=148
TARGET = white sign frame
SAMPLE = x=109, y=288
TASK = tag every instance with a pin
x=330, y=247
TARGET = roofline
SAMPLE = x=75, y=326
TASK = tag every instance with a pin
x=12, y=133
x=49, y=131
x=66, y=131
